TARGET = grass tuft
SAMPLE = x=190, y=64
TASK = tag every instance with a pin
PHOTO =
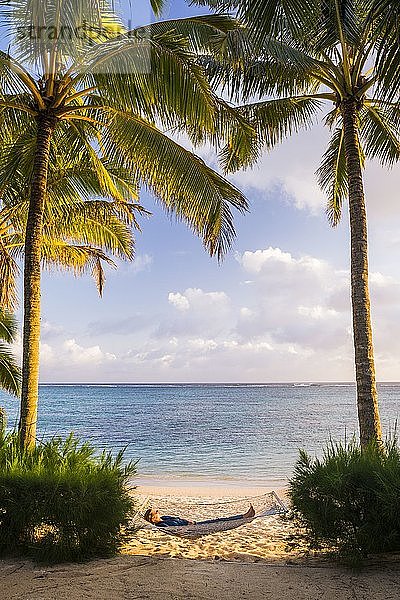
x=347, y=502
x=62, y=501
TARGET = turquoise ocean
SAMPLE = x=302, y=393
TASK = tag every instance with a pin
x=212, y=431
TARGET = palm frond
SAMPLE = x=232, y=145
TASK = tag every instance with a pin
x=10, y=374
x=380, y=132
x=231, y=128
x=79, y=232
x=332, y=176
x=98, y=275
x=106, y=181
x=185, y=185
x=385, y=15
x=157, y=6
x=243, y=145
x=8, y=275
x=16, y=160
x=337, y=16
x=274, y=119
x=8, y=327
x=256, y=77
x=57, y=30
x=157, y=78
x=62, y=255
x=8, y=267
x=15, y=79
x=97, y=223
x=202, y=32
x=265, y=16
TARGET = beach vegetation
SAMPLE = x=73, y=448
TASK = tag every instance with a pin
x=335, y=62
x=346, y=502
x=76, y=82
x=62, y=501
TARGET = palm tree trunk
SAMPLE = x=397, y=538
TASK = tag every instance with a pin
x=32, y=272
x=367, y=398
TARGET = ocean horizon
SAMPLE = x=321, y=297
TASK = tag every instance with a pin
x=209, y=383
x=247, y=432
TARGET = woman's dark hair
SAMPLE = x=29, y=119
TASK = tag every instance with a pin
x=147, y=515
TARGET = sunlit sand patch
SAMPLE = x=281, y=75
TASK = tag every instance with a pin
x=263, y=539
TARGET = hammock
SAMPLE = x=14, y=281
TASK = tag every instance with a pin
x=271, y=505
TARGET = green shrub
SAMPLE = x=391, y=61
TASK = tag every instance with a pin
x=62, y=501
x=347, y=502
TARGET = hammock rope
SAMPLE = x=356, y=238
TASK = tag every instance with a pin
x=271, y=505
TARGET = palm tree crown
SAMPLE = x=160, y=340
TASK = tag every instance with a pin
x=303, y=70
x=110, y=93
x=83, y=228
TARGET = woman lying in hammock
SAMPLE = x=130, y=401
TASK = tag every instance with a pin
x=152, y=515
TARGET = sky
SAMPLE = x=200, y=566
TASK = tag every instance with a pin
x=276, y=310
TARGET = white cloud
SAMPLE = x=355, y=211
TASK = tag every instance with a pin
x=167, y=359
x=257, y=261
x=202, y=345
x=304, y=191
x=292, y=324
x=196, y=312
x=141, y=263
x=46, y=353
x=317, y=312
x=80, y=354
x=197, y=299
x=179, y=301
x=294, y=300
x=254, y=261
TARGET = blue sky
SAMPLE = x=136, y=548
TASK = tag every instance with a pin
x=277, y=308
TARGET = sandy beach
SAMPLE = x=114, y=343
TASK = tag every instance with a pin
x=152, y=578
x=249, y=563
x=261, y=540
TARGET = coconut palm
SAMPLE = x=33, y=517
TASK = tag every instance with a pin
x=338, y=57
x=82, y=241
x=79, y=234
x=75, y=80
x=10, y=373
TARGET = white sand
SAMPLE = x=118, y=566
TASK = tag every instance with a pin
x=217, y=488
x=261, y=540
x=150, y=576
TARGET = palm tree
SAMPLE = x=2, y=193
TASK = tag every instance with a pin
x=78, y=233
x=339, y=56
x=10, y=373
x=80, y=241
x=75, y=81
